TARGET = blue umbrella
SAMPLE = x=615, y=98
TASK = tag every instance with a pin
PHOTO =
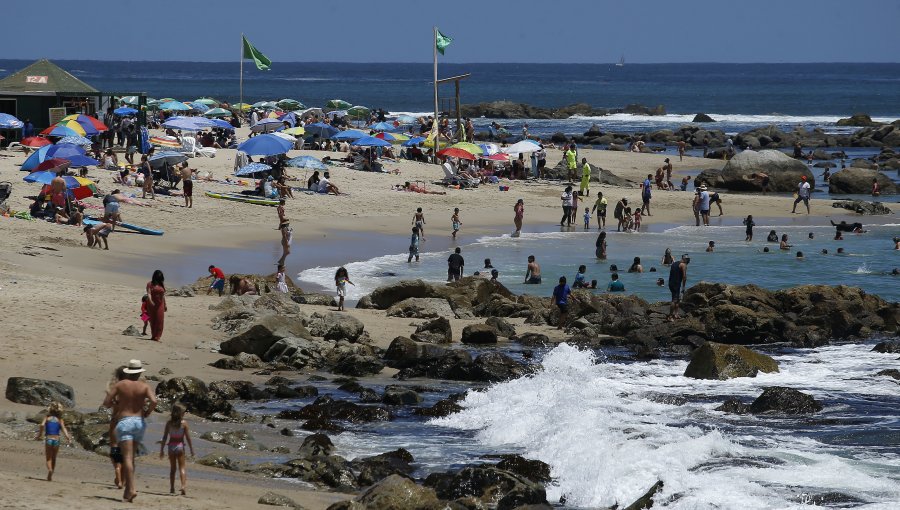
x=79, y=160
x=174, y=105
x=188, y=123
x=350, y=134
x=371, y=141
x=200, y=107
x=171, y=157
x=412, y=142
x=407, y=119
x=45, y=177
x=382, y=126
x=51, y=151
x=36, y=158
x=252, y=168
x=265, y=145
x=306, y=162
x=125, y=110
x=75, y=140
x=321, y=129
x=222, y=124
x=7, y=121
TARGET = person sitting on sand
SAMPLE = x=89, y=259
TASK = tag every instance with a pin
x=242, y=286
x=326, y=187
x=284, y=191
x=784, y=243
x=110, y=160
x=313, y=182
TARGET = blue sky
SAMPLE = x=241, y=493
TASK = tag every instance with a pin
x=648, y=31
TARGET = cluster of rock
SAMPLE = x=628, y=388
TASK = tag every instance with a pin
x=511, y=110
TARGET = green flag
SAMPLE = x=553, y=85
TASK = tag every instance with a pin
x=262, y=62
x=442, y=41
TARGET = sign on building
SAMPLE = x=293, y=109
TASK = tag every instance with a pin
x=36, y=79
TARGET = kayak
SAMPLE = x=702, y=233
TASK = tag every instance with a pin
x=242, y=198
x=129, y=226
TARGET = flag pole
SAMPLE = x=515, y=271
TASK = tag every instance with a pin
x=437, y=129
x=240, y=108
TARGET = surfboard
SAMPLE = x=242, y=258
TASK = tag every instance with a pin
x=242, y=198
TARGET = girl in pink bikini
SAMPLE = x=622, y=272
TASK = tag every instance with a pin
x=174, y=437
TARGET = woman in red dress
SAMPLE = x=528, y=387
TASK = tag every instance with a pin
x=156, y=305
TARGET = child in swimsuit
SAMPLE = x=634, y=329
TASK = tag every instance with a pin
x=454, y=220
x=49, y=429
x=145, y=316
x=341, y=279
x=281, y=284
x=176, y=434
x=419, y=222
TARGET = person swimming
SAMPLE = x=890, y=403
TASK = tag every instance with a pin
x=773, y=237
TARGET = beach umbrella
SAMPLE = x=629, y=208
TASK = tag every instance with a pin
x=200, y=107
x=489, y=148
x=217, y=112
x=338, y=104
x=173, y=105
x=307, y=162
x=221, y=124
x=50, y=151
x=383, y=126
x=456, y=153
x=65, y=129
x=241, y=106
x=267, y=126
x=308, y=112
x=468, y=147
x=520, y=147
x=80, y=160
x=407, y=119
x=350, y=134
x=285, y=136
x=64, y=150
x=359, y=112
x=75, y=140
x=336, y=114
x=252, y=168
x=370, y=141
x=392, y=137
x=188, y=123
x=321, y=129
x=35, y=142
x=265, y=145
x=53, y=165
x=132, y=100
x=165, y=141
x=7, y=121
x=265, y=105
x=171, y=157
x=208, y=101
x=125, y=110
x=497, y=157
x=412, y=142
x=290, y=104
x=86, y=122
x=296, y=131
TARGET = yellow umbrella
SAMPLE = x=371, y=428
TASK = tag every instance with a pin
x=468, y=147
x=296, y=131
x=241, y=106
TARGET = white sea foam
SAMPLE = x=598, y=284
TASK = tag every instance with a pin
x=723, y=117
x=606, y=442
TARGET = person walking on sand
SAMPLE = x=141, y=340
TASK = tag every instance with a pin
x=175, y=435
x=668, y=169
x=280, y=280
x=533, y=272
x=341, y=279
x=280, y=210
x=132, y=401
x=677, y=285
x=703, y=205
x=585, y=188
x=115, y=453
x=571, y=161
x=566, y=198
x=218, y=280
x=413, y=245
x=287, y=238
x=519, y=211
x=419, y=221
x=49, y=430
x=619, y=213
x=802, y=195
x=600, y=206
x=454, y=222
x=187, y=186
x=147, y=172
x=646, y=192
x=455, y=266
x=682, y=145
x=156, y=304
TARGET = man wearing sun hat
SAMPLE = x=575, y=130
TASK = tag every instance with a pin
x=131, y=400
x=802, y=195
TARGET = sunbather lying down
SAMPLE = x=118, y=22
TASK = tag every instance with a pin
x=415, y=188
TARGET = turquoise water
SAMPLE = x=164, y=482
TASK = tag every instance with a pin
x=867, y=262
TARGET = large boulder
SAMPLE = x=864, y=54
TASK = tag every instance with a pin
x=395, y=492
x=262, y=333
x=387, y=295
x=358, y=365
x=335, y=326
x=327, y=408
x=404, y=352
x=195, y=394
x=719, y=361
x=479, y=334
x=378, y=467
x=299, y=352
x=503, y=327
x=781, y=400
x=497, y=367
x=489, y=484
x=858, y=120
x=435, y=331
x=421, y=308
x=702, y=117
x=38, y=392
x=858, y=181
x=784, y=171
x=458, y=365
x=862, y=207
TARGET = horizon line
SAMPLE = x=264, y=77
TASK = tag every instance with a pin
x=453, y=63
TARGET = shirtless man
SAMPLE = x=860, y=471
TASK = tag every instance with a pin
x=681, y=147
x=188, y=186
x=131, y=400
x=533, y=273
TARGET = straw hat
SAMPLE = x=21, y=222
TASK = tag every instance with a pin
x=134, y=367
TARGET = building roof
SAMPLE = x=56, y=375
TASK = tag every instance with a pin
x=43, y=77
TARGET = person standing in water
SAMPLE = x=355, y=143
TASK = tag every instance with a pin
x=519, y=210
x=341, y=279
x=455, y=266
x=533, y=272
x=454, y=222
x=419, y=222
x=600, y=245
x=585, y=188
x=413, y=245
x=600, y=206
x=748, y=221
x=677, y=284
x=667, y=259
x=287, y=238
x=560, y=298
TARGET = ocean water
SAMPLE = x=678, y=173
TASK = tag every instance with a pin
x=741, y=96
x=867, y=262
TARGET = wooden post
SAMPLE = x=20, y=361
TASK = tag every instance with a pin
x=436, y=125
x=458, y=117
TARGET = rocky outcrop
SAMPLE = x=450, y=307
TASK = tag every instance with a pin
x=358, y=365
x=395, y=492
x=38, y=392
x=511, y=110
x=327, y=408
x=719, y=361
x=196, y=396
x=464, y=296
x=858, y=120
x=784, y=171
x=858, y=181
x=888, y=347
x=503, y=327
x=378, y=467
x=781, y=400
x=436, y=331
x=421, y=308
x=403, y=353
x=479, y=334
x=443, y=407
x=335, y=326
x=488, y=484
x=458, y=365
x=262, y=333
x=275, y=499
x=702, y=117
x=861, y=207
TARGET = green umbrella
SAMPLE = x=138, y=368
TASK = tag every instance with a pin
x=290, y=104
x=208, y=101
x=217, y=112
x=358, y=112
x=265, y=105
x=338, y=104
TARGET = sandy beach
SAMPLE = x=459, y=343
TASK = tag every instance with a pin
x=63, y=306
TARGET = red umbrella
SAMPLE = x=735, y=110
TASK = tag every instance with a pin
x=35, y=142
x=452, y=152
x=52, y=165
x=497, y=157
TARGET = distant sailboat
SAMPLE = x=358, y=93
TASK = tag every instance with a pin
x=621, y=61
